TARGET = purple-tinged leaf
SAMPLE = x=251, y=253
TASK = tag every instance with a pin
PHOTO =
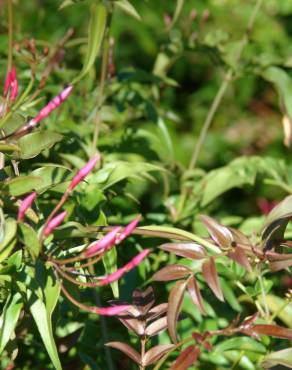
x=174, y=305
x=195, y=294
x=172, y=272
x=157, y=311
x=210, y=275
x=187, y=250
x=219, y=233
x=187, y=358
x=239, y=237
x=154, y=354
x=238, y=255
x=157, y=326
x=134, y=325
x=272, y=331
x=143, y=300
x=127, y=350
x=280, y=265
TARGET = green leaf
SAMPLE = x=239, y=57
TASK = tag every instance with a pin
x=283, y=357
x=5, y=147
x=128, y=8
x=9, y=319
x=33, y=144
x=110, y=264
x=177, y=12
x=42, y=306
x=51, y=175
x=23, y=184
x=241, y=344
x=239, y=172
x=10, y=227
x=283, y=84
x=230, y=296
x=96, y=32
x=30, y=240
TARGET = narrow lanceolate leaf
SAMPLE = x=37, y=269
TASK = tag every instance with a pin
x=128, y=8
x=157, y=326
x=42, y=309
x=127, y=350
x=219, y=233
x=9, y=318
x=175, y=300
x=157, y=311
x=280, y=265
x=238, y=255
x=172, y=272
x=143, y=300
x=187, y=358
x=283, y=357
x=188, y=250
x=96, y=32
x=210, y=275
x=154, y=354
x=177, y=12
x=195, y=293
x=273, y=331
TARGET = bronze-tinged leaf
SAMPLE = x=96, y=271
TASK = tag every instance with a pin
x=195, y=294
x=273, y=331
x=239, y=237
x=238, y=255
x=171, y=272
x=187, y=250
x=143, y=300
x=156, y=311
x=219, y=233
x=210, y=275
x=187, y=358
x=133, y=325
x=156, y=327
x=154, y=354
x=280, y=265
x=127, y=350
x=174, y=304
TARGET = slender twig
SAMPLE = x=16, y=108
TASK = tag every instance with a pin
x=230, y=74
x=10, y=35
x=103, y=75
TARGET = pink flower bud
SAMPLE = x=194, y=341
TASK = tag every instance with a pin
x=105, y=243
x=137, y=260
x=110, y=311
x=167, y=19
x=128, y=229
x=11, y=84
x=52, y=105
x=81, y=174
x=55, y=222
x=25, y=204
x=121, y=271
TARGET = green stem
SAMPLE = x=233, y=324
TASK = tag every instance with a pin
x=104, y=67
x=263, y=291
x=10, y=35
x=218, y=99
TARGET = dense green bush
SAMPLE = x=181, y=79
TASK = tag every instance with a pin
x=123, y=125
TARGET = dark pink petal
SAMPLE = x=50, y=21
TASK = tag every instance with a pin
x=128, y=229
x=25, y=204
x=11, y=84
x=110, y=311
x=129, y=266
x=52, y=105
x=106, y=242
x=81, y=174
x=55, y=222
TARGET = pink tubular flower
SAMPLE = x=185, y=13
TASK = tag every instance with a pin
x=105, y=243
x=11, y=84
x=51, y=106
x=121, y=271
x=81, y=174
x=128, y=229
x=25, y=204
x=110, y=311
x=55, y=222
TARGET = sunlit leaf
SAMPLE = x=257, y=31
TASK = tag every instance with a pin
x=195, y=294
x=188, y=250
x=210, y=275
x=157, y=326
x=128, y=8
x=283, y=357
x=175, y=300
x=155, y=353
x=171, y=272
x=221, y=234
